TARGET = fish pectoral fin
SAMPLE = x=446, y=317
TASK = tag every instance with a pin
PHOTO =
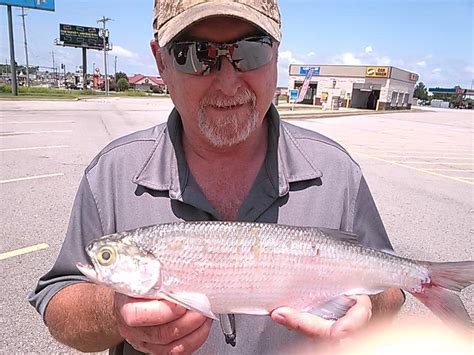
x=363, y=291
x=333, y=309
x=197, y=302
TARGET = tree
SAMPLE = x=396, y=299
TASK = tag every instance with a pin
x=122, y=84
x=420, y=91
x=120, y=75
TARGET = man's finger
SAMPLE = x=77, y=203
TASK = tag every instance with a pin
x=166, y=333
x=142, y=313
x=186, y=345
x=306, y=323
x=357, y=316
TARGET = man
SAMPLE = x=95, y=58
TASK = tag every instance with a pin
x=223, y=155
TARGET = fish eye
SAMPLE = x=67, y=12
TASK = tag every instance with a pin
x=106, y=256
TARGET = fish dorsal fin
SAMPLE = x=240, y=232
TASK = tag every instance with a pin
x=197, y=302
x=342, y=236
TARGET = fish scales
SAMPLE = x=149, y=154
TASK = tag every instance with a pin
x=253, y=268
x=224, y=258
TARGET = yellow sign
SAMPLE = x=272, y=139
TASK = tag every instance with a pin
x=377, y=72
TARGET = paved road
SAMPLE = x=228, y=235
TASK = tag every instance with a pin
x=418, y=165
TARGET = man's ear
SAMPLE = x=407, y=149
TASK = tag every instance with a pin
x=155, y=49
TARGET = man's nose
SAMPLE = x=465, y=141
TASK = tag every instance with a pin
x=227, y=79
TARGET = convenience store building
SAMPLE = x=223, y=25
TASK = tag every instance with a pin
x=367, y=87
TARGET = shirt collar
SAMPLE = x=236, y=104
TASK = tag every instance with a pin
x=165, y=168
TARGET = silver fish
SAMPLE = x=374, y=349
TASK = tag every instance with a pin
x=254, y=268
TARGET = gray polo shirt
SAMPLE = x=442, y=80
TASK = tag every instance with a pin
x=143, y=179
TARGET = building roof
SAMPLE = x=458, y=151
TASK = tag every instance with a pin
x=142, y=79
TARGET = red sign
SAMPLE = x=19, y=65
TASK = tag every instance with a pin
x=413, y=77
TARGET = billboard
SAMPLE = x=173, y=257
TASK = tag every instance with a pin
x=377, y=72
x=81, y=36
x=304, y=70
x=32, y=4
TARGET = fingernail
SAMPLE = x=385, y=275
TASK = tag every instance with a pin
x=279, y=318
x=177, y=349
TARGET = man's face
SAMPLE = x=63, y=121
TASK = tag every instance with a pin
x=227, y=106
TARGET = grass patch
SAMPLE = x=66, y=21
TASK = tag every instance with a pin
x=53, y=93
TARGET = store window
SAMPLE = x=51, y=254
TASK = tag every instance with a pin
x=393, y=103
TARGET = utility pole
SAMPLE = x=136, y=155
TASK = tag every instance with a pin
x=12, y=52
x=115, y=75
x=54, y=70
x=26, y=47
x=105, y=35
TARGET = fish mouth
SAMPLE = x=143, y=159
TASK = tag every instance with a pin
x=88, y=271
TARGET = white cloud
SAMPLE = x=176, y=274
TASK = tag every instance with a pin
x=347, y=58
x=369, y=49
x=469, y=69
x=421, y=64
x=383, y=61
x=437, y=70
x=123, y=53
x=287, y=56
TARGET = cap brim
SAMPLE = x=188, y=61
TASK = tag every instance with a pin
x=199, y=12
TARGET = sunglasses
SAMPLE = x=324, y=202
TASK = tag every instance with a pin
x=200, y=57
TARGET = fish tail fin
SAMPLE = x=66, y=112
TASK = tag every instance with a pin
x=448, y=306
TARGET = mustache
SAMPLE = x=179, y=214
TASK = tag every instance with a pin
x=242, y=97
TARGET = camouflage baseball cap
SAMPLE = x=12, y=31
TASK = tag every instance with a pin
x=173, y=16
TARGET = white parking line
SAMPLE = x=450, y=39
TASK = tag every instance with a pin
x=426, y=162
x=433, y=157
x=455, y=170
x=22, y=251
x=35, y=122
x=30, y=178
x=34, y=148
x=426, y=171
x=31, y=132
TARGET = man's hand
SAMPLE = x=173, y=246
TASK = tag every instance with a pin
x=313, y=326
x=160, y=327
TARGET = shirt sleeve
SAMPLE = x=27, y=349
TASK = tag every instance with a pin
x=368, y=224
x=84, y=226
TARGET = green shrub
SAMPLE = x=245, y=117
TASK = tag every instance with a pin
x=5, y=88
x=122, y=84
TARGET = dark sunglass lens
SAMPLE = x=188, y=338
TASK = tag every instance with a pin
x=180, y=52
x=252, y=54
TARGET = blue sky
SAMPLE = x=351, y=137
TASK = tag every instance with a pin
x=432, y=38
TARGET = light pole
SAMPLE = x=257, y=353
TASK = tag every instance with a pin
x=105, y=35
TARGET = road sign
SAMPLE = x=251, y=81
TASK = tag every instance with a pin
x=293, y=96
x=31, y=4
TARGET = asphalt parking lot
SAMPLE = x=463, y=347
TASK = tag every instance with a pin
x=419, y=166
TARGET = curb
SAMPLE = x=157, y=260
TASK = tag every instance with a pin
x=286, y=115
